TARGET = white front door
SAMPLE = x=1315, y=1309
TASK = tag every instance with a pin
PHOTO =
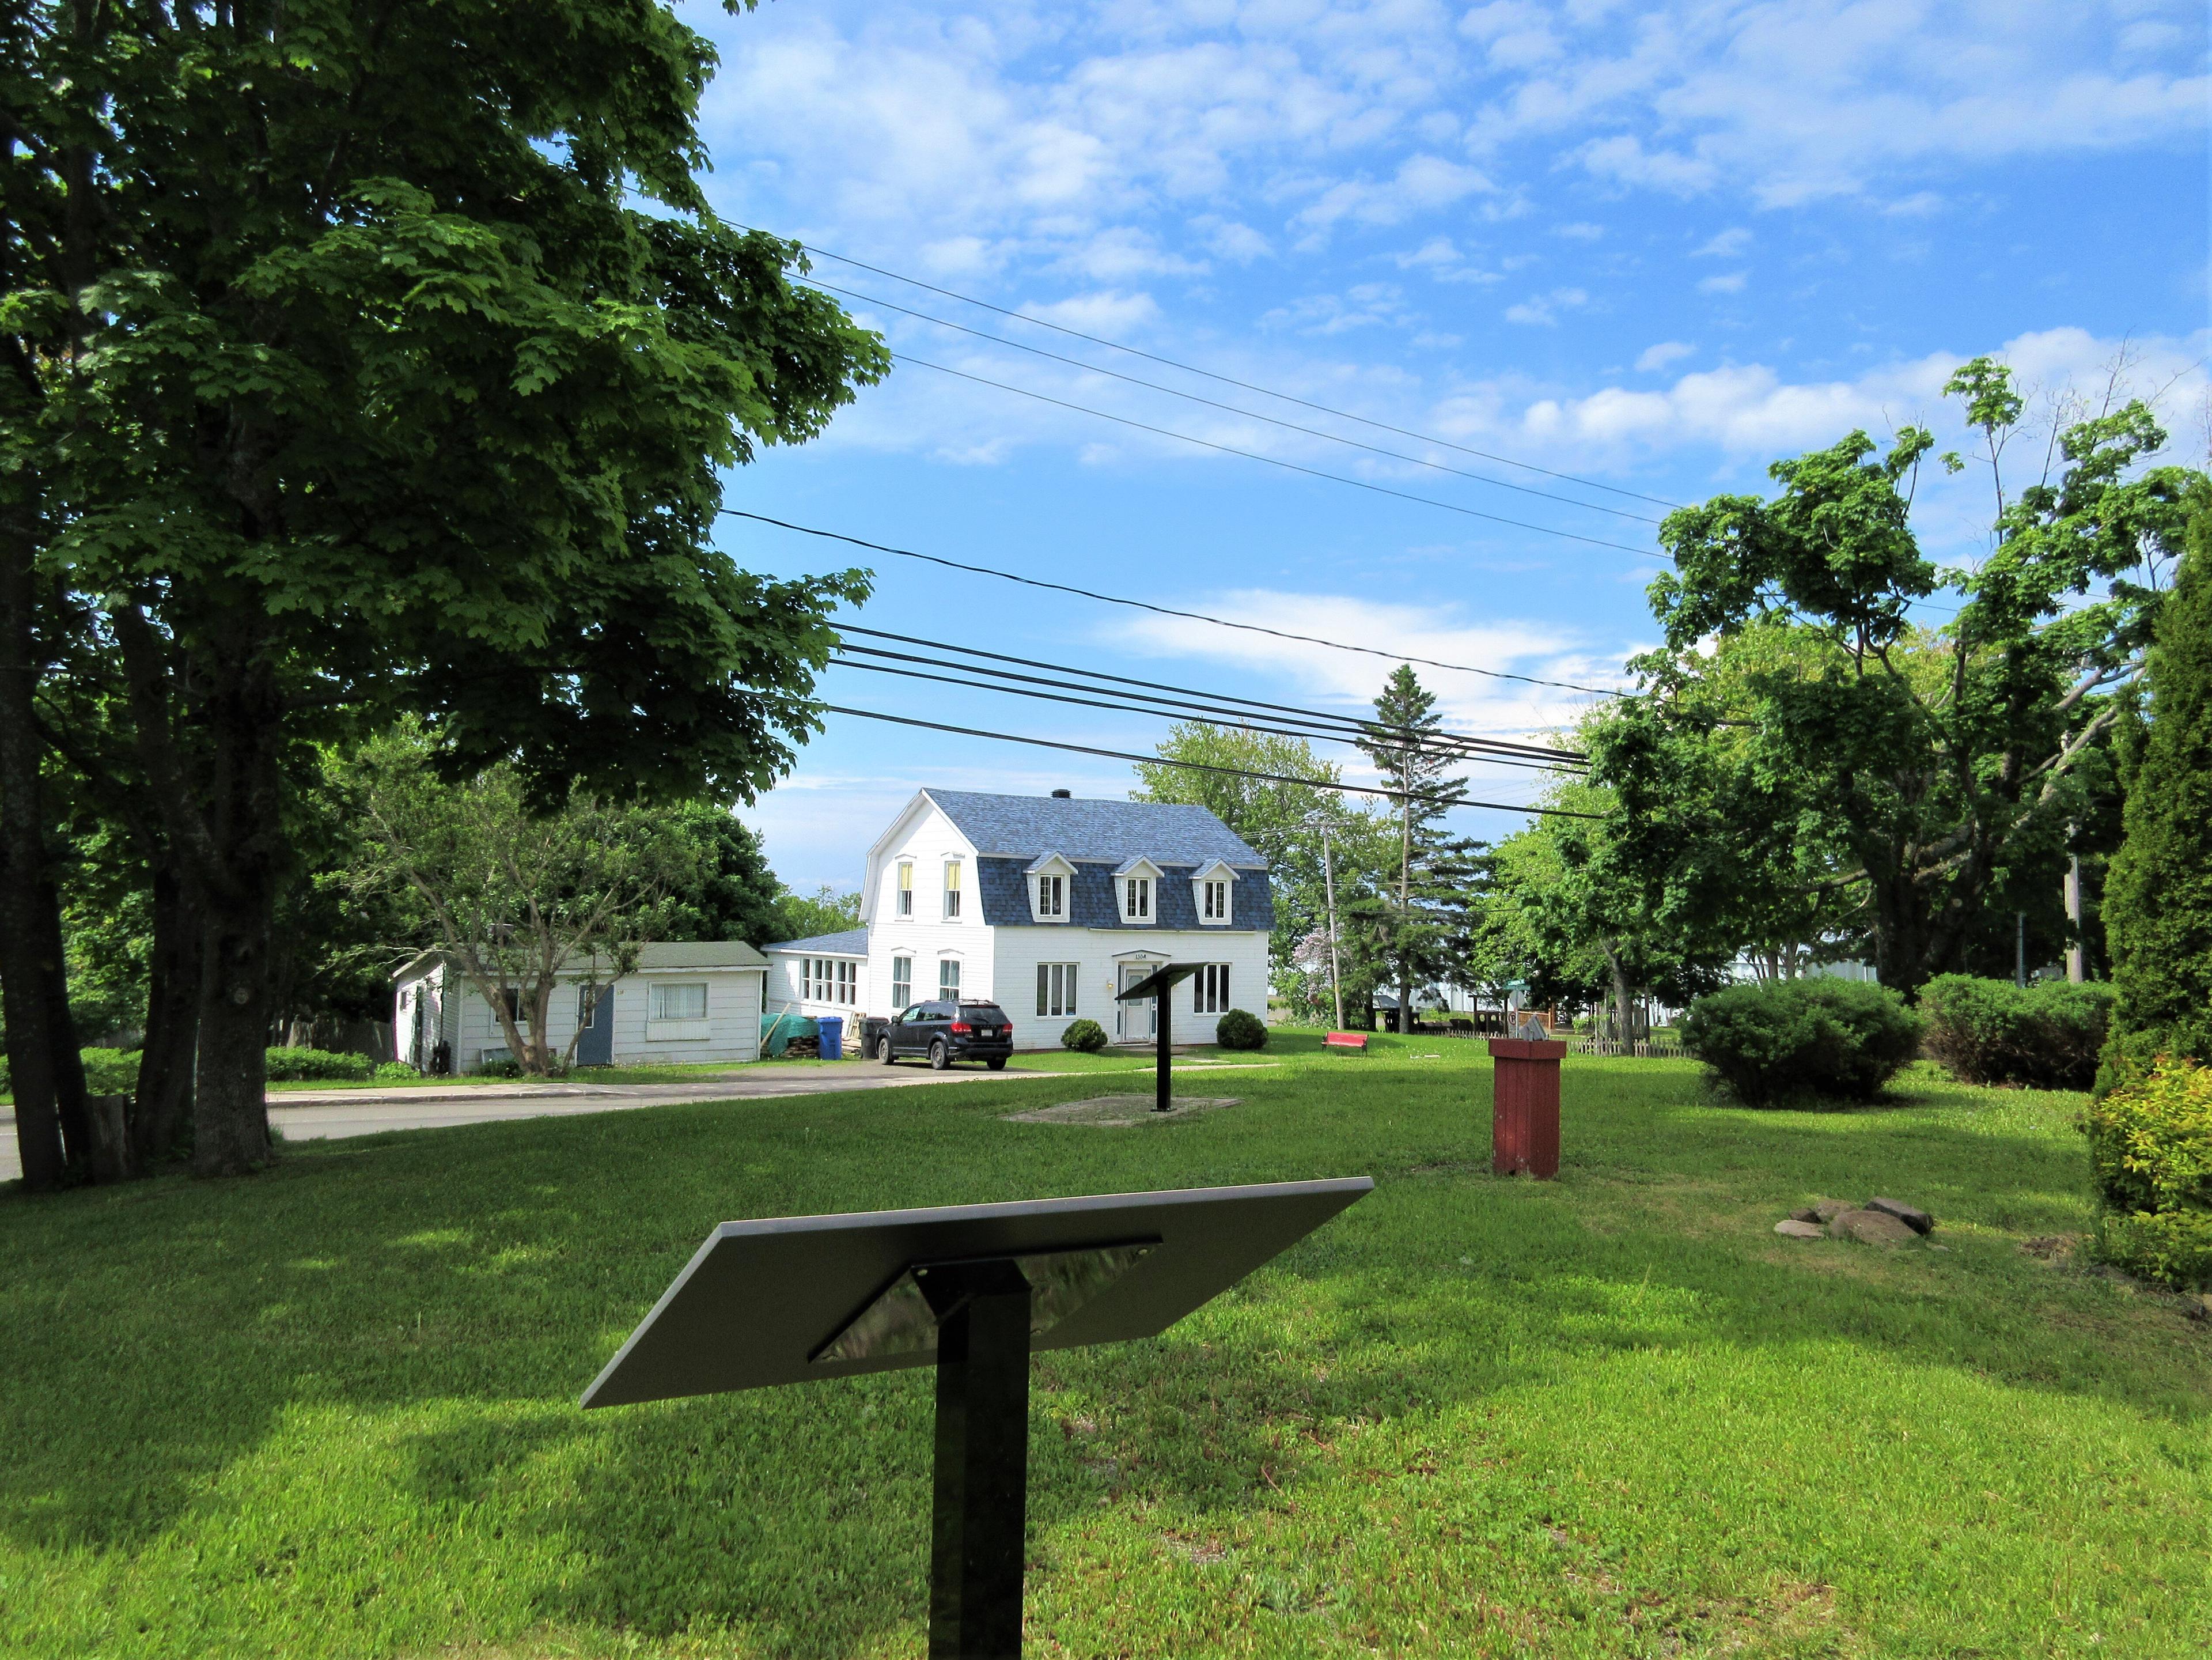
x=1138, y=1022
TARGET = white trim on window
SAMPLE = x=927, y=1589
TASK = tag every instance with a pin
x=1213, y=902
x=1048, y=897
x=1056, y=990
x=948, y=979
x=902, y=981
x=676, y=1012
x=1135, y=894
x=1209, y=993
x=905, y=906
x=952, y=889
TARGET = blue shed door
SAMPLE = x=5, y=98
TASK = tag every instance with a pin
x=595, y=1013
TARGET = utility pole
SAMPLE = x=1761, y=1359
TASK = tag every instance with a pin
x=2075, y=957
x=1329, y=886
x=2019, y=950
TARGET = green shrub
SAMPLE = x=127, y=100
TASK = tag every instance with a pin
x=1782, y=1039
x=2046, y=1036
x=288, y=1066
x=1087, y=1035
x=107, y=1072
x=394, y=1072
x=2150, y=1145
x=1241, y=1029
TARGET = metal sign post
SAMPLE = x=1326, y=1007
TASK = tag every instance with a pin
x=973, y=1290
x=1158, y=984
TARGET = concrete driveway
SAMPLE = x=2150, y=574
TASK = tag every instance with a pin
x=323, y=1114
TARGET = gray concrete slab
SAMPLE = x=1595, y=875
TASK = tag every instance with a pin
x=326, y=1115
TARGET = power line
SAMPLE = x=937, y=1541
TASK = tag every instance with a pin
x=1232, y=409
x=1352, y=727
x=1169, y=610
x=1231, y=380
x=1240, y=722
x=1276, y=460
x=1188, y=766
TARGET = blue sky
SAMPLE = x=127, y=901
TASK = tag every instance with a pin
x=1655, y=246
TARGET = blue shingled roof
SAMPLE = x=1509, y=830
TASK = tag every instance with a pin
x=1006, y=890
x=1027, y=825
x=854, y=942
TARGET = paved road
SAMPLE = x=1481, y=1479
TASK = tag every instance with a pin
x=321, y=1115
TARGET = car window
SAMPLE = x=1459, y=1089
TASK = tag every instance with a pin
x=989, y=1014
x=913, y=1013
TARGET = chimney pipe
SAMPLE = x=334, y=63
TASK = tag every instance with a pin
x=1063, y=795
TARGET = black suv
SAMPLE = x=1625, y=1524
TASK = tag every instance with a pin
x=949, y=1031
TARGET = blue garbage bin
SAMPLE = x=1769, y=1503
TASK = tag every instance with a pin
x=832, y=1027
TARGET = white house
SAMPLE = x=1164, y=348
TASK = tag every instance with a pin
x=687, y=1001
x=1047, y=906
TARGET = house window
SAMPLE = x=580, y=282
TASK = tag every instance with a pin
x=1209, y=989
x=902, y=981
x=1137, y=899
x=848, y=982
x=510, y=998
x=905, y=889
x=948, y=979
x=678, y=1002
x=1051, y=898
x=587, y=1002
x=1055, y=988
x=1213, y=902
x=953, y=887
x=827, y=980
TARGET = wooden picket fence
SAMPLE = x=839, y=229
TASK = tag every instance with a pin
x=1646, y=1049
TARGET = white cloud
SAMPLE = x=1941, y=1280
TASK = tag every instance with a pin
x=1580, y=231
x=1666, y=352
x=1544, y=309
x=1111, y=313
x=1728, y=245
x=1623, y=159
x=1729, y=283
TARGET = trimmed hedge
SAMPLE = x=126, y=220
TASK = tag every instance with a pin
x=107, y=1072
x=1241, y=1029
x=1782, y=1040
x=288, y=1066
x=2046, y=1036
x=2150, y=1145
x=1088, y=1035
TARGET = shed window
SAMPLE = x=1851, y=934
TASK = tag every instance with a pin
x=678, y=1002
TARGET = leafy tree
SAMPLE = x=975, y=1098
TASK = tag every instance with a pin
x=738, y=895
x=2158, y=902
x=828, y=911
x=1282, y=820
x=370, y=361
x=516, y=898
x=1915, y=769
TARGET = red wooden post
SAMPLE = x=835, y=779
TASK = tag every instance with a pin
x=1524, y=1117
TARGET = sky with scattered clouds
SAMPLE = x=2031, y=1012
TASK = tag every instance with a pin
x=1650, y=248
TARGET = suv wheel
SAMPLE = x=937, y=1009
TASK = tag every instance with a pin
x=883, y=1051
x=939, y=1056
x=997, y=1063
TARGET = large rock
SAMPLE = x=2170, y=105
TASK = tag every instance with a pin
x=1807, y=1214
x=1871, y=1227
x=1829, y=1209
x=1914, y=1218
x=1793, y=1229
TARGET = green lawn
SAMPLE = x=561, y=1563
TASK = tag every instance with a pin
x=330, y=1411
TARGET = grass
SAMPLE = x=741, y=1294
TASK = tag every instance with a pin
x=330, y=1411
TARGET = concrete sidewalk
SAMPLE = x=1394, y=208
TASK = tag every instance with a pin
x=325, y=1115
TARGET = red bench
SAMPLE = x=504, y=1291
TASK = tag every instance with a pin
x=1356, y=1041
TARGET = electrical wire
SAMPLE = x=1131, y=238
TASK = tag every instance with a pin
x=1229, y=380
x=1276, y=460
x=1241, y=724
x=1231, y=409
x=1169, y=610
x=1353, y=727
x=1190, y=766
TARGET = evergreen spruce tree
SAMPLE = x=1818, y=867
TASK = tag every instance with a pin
x=1416, y=928
x=2158, y=899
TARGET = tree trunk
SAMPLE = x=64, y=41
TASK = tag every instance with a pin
x=53, y=1133
x=161, y=1129
x=1624, y=998
x=230, y=1112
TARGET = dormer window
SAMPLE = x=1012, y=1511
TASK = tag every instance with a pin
x=1136, y=892
x=1210, y=889
x=1052, y=881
